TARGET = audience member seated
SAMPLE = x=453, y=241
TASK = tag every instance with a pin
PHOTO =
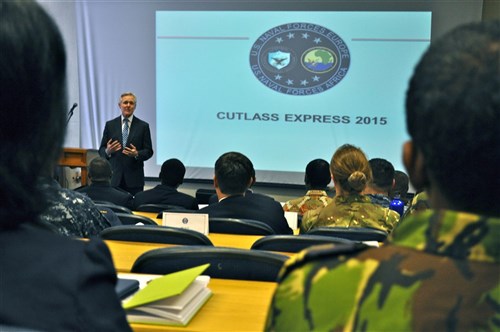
x=401, y=186
x=317, y=178
x=70, y=212
x=382, y=182
x=248, y=194
x=419, y=203
x=350, y=173
x=100, y=185
x=171, y=177
x=439, y=269
x=48, y=282
x=233, y=176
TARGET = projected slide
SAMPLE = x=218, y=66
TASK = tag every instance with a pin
x=283, y=87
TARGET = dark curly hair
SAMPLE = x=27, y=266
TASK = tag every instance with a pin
x=453, y=115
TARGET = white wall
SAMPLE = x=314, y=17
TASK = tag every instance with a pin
x=63, y=13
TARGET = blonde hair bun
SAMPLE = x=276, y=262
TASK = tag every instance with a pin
x=357, y=181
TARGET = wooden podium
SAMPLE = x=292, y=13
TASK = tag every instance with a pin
x=75, y=157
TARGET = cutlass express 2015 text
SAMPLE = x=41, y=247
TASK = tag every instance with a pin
x=306, y=118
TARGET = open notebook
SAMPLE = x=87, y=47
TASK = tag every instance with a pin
x=172, y=299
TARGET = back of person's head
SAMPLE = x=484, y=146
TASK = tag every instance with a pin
x=401, y=185
x=350, y=169
x=382, y=173
x=100, y=170
x=32, y=104
x=453, y=117
x=172, y=172
x=317, y=174
x=233, y=171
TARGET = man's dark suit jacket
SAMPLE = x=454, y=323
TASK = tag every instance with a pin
x=104, y=192
x=50, y=282
x=163, y=194
x=249, y=194
x=131, y=169
x=257, y=208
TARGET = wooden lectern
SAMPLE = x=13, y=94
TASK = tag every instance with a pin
x=75, y=157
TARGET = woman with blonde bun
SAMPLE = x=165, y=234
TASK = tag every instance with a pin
x=350, y=173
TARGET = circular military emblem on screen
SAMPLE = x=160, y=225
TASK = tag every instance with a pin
x=299, y=59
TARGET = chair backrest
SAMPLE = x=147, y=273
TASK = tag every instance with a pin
x=203, y=195
x=134, y=219
x=294, y=243
x=12, y=328
x=155, y=234
x=351, y=233
x=225, y=263
x=103, y=202
x=173, y=208
x=239, y=226
x=114, y=207
x=159, y=208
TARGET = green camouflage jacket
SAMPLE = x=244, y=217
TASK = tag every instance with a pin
x=438, y=271
x=419, y=203
x=311, y=201
x=351, y=211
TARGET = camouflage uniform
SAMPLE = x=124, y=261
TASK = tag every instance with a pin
x=312, y=200
x=380, y=199
x=438, y=271
x=71, y=213
x=420, y=202
x=351, y=211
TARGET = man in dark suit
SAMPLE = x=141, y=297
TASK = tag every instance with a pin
x=126, y=143
x=233, y=176
x=248, y=194
x=171, y=176
x=100, y=188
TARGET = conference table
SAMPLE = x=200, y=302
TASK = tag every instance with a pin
x=236, y=305
x=125, y=253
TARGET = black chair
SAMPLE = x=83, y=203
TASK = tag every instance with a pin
x=239, y=226
x=294, y=243
x=103, y=202
x=114, y=207
x=134, y=219
x=159, y=208
x=13, y=328
x=203, y=195
x=351, y=233
x=225, y=263
x=155, y=234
